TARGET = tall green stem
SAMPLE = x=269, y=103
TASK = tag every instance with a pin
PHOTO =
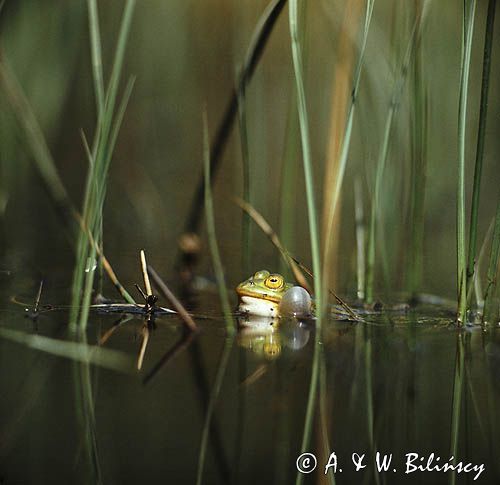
x=468, y=26
x=311, y=209
x=488, y=40
x=418, y=123
x=489, y=314
x=382, y=158
x=306, y=149
x=212, y=238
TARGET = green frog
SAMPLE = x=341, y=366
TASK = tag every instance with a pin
x=269, y=295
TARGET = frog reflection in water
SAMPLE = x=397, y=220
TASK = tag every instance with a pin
x=267, y=337
x=268, y=295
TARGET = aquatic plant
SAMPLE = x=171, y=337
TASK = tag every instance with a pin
x=396, y=93
x=467, y=31
x=489, y=312
x=212, y=238
x=108, y=125
x=481, y=133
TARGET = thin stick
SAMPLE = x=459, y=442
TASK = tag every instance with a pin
x=105, y=337
x=145, y=276
x=255, y=375
x=341, y=302
x=258, y=42
x=139, y=289
x=182, y=344
x=266, y=228
x=38, y=297
x=112, y=276
x=145, y=340
x=165, y=291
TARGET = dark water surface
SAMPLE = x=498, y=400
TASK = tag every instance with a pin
x=387, y=385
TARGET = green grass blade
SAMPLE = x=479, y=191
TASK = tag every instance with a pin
x=34, y=138
x=311, y=401
x=344, y=152
x=76, y=351
x=306, y=151
x=219, y=378
x=245, y=160
x=468, y=25
x=369, y=394
x=212, y=238
x=117, y=123
x=418, y=179
x=104, y=140
x=289, y=176
x=88, y=421
x=119, y=56
x=311, y=210
x=456, y=406
x=382, y=158
x=489, y=313
x=478, y=289
x=323, y=410
x=95, y=49
x=290, y=168
x=488, y=41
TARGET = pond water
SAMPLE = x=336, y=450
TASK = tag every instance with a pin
x=386, y=385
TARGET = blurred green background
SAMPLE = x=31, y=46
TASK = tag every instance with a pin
x=185, y=56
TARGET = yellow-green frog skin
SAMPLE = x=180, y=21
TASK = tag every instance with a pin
x=262, y=293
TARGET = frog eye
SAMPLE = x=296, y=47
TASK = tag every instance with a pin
x=272, y=349
x=260, y=275
x=274, y=282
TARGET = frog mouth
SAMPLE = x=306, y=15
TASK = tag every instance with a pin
x=264, y=296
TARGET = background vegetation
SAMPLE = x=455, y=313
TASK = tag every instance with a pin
x=185, y=56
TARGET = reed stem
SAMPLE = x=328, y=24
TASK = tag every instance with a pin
x=306, y=151
x=483, y=109
x=212, y=237
x=468, y=26
x=489, y=313
x=382, y=158
x=311, y=210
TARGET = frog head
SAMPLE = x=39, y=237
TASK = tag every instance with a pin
x=261, y=294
